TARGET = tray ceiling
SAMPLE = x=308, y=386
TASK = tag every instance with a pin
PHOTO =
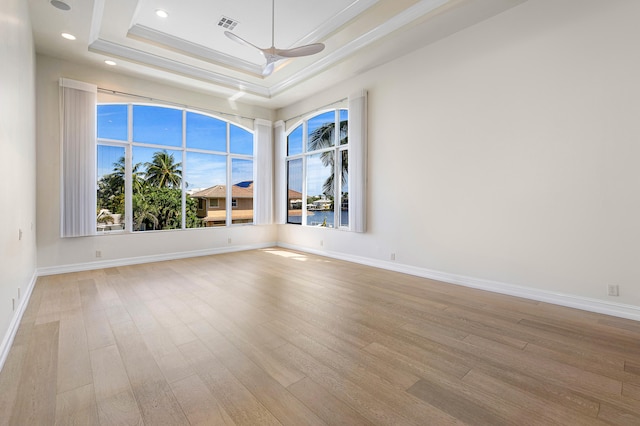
x=188, y=48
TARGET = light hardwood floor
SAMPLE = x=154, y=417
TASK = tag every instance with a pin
x=278, y=337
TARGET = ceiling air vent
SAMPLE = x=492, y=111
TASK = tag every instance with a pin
x=227, y=23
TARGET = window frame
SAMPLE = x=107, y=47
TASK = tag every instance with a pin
x=130, y=144
x=337, y=151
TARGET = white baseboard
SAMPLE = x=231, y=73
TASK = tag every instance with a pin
x=88, y=266
x=10, y=335
x=584, y=303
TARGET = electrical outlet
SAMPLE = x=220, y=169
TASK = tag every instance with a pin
x=98, y=253
x=393, y=256
x=19, y=234
x=321, y=243
x=13, y=304
x=229, y=240
x=613, y=290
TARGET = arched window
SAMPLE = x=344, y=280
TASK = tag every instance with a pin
x=317, y=166
x=161, y=168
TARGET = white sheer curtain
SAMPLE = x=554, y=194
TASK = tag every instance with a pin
x=358, y=161
x=281, y=173
x=78, y=158
x=263, y=189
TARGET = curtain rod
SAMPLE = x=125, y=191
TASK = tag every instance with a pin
x=316, y=109
x=133, y=95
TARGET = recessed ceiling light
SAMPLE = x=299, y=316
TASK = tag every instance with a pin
x=162, y=13
x=68, y=36
x=59, y=4
x=109, y=62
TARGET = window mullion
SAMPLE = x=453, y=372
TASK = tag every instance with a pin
x=337, y=187
x=305, y=140
x=128, y=174
x=336, y=167
x=184, y=171
x=229, y=194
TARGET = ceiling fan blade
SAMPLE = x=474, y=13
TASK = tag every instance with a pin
x=309, y=49
x=240, y=40
x=273, y=55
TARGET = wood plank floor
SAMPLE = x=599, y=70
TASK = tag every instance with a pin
x=278, y=337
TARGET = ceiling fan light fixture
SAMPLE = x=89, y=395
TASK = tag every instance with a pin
x=59, y=4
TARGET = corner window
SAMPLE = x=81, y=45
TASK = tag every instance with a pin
x=317, y=171
x=162, y=168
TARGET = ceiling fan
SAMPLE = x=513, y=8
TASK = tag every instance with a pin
x=272, y=54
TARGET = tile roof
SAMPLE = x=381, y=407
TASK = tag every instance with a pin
x=220, y=191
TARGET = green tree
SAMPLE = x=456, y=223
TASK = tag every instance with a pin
x=144, y=213
x=156, y=198
x=111, y=189
x=163, y=171
x=161, y=208
x=111, y=186
x=323, y=137
x=168, y=202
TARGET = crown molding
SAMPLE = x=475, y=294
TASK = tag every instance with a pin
x=398, y=21
x=114, y=49
x=341, y=18
x=403, y=18
x=194, y=50
x=96, y=20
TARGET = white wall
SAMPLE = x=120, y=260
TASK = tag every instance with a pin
x=507, y=152
x=57, y=254
x=17, y=144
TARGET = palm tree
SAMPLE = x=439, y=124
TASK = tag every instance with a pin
x=111, y=186
x=118, y=175
x=323, y=137
x=163, y=171
x=143, y=212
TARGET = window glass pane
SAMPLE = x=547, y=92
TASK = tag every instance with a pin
x=294, y=191
x=242, y=190
x=112, y=122
x=157, y=125
x=205, y=177
x=110, y=178
x=320, y=189
x=157, y=193
x=158, y=172
x=344, y=193
x=294, y=141
x=204, y=132
x=321, y=131
x=344, y=126
x=241, y=140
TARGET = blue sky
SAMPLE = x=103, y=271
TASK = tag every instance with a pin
x=317, y=174
x=163, y=126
